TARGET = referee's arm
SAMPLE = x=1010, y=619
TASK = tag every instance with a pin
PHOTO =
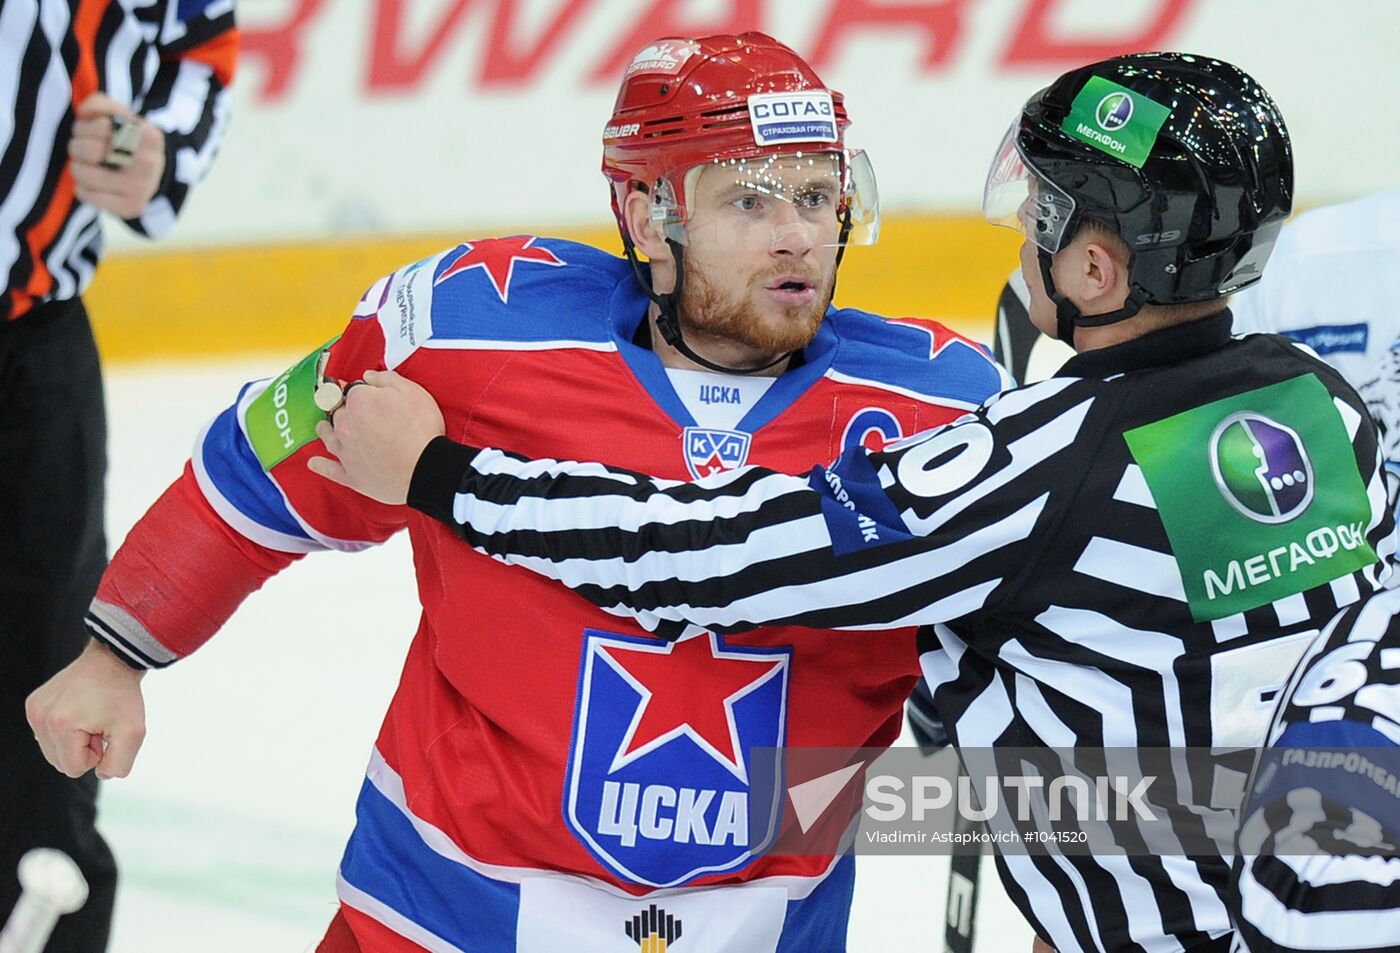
x=189, y=103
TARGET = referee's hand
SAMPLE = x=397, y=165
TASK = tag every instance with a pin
x=124, y=191
x=377, y=435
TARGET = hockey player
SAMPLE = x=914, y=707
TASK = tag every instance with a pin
x=1333, y=287
x=1095, y=559
x=594, y=795
x=1318, y=867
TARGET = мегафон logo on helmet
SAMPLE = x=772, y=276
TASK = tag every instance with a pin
x=1116, y=120
x=1114, y=111
x=1261, y=467
x=1112, y=114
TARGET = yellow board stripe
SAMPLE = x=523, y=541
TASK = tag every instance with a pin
x=237, y=300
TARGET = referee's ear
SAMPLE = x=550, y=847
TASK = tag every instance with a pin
x=1095, y=277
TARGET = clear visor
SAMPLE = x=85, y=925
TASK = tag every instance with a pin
x=763, y=203
x=1019, y=197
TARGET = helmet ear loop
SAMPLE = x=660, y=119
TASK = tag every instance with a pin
x=668, y=322
x=667, y=305
x=1065, y=312
x=629, y=249
x=848, y=191
x=844, y=236
x=840, y=249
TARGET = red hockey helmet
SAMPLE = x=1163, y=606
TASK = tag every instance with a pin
x=686, y=103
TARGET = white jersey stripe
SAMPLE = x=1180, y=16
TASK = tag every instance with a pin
x=1132, y=567
x=50, y=106
x=1314, y=930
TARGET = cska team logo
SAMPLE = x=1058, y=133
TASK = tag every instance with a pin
x=658, y=780
x=710, y=451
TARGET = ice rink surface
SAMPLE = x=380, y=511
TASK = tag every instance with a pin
x=229, y=830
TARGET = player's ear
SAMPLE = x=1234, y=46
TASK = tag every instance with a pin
x=646, y=234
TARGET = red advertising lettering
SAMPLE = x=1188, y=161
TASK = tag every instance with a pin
x=940, y=23
x=513, y=58
x=394, y=67
x=1033, y=44
x=279, y=47
x=664, y=18
x=508, y=62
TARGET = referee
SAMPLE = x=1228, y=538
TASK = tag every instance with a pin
x=117, y=107
x=1131, y=554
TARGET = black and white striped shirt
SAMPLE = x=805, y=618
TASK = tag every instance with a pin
x=1074, y=589
x=1319, y=861
x=169, y=60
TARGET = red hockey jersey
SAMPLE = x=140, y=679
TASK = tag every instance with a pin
x=547, y=775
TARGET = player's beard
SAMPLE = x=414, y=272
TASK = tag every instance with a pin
x=707, y=310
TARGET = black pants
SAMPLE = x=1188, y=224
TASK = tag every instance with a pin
x=53, y=461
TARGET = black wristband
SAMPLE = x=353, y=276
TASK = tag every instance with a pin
x=438, y=476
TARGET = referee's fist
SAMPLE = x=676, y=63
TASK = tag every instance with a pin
x=114, y=179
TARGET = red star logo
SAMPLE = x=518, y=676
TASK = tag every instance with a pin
x=688, y=688
x=497, y=257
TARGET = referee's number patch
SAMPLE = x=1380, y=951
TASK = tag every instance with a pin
x=947, y=461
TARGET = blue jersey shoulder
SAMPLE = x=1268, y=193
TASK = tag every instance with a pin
x=917, y=357
x=516, y=291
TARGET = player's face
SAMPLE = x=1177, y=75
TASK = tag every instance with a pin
x=761, y=251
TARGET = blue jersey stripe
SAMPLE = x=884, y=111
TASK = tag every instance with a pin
x=387, y=860
x=818, y=922
x=239, y=477
x=888, y=352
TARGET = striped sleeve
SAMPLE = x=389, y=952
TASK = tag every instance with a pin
x=926, y=531
x=188, y=99
x=1319, y=853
